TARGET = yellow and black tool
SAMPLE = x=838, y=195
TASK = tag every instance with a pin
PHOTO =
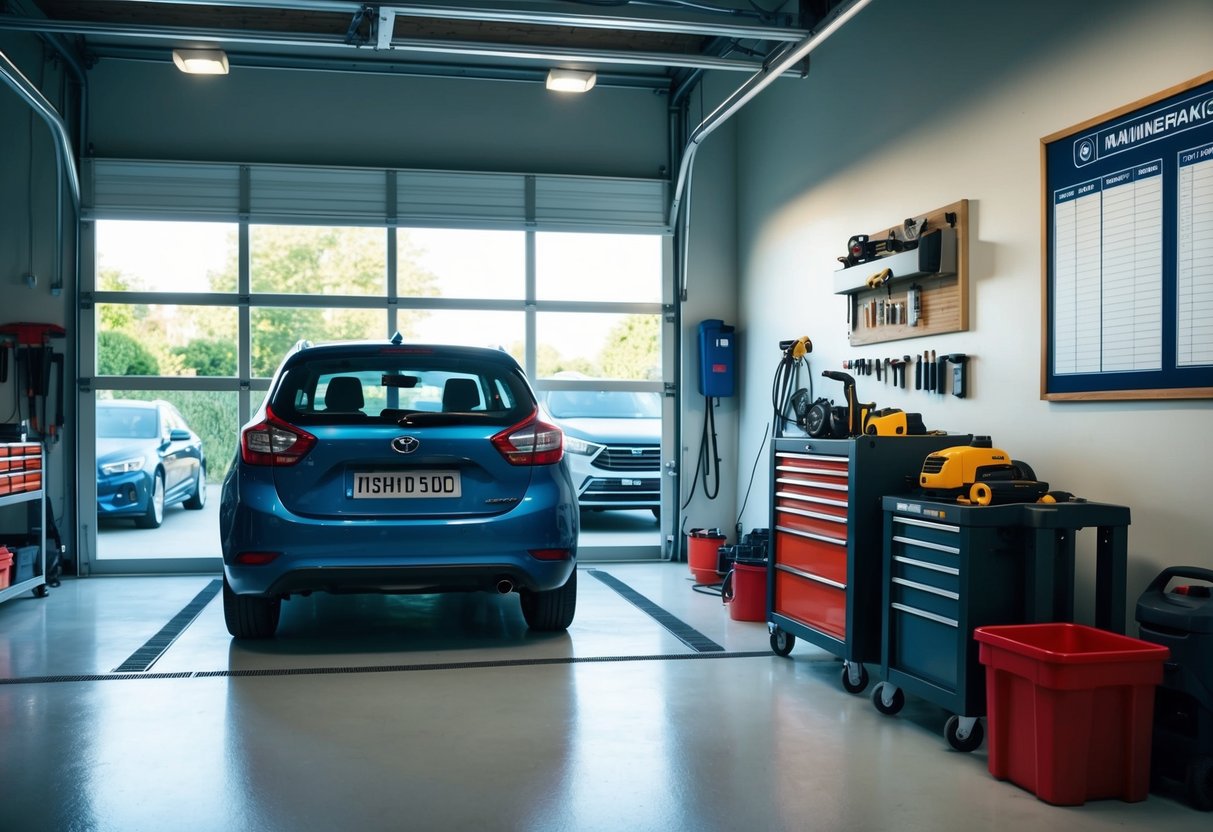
x=891, y=421
x=979, y=474
x=856, y=411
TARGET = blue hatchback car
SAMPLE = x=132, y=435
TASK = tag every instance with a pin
x=394, y=468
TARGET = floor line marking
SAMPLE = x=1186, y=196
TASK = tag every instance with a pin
x=394, y=668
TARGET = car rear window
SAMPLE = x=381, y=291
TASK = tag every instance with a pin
x=389, y=388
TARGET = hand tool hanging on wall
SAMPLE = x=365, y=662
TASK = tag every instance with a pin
x=960, y=379
x=35, y=360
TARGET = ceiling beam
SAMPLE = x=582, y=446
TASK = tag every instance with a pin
x=527, y=17
x=657, y=82
x=565, y=55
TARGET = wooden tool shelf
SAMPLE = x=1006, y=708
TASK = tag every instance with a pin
x=943, y=284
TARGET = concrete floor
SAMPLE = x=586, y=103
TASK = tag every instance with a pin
x=445, y=713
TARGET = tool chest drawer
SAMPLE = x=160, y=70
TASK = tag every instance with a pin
x=941, y=577
x=811, y=601
x=926, y=533
x=922, y=597
x=925, y=646
x=814, y=555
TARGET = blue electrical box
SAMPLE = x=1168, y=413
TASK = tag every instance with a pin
x=717, y=358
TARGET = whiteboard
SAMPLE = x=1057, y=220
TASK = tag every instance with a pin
x=1127, y=272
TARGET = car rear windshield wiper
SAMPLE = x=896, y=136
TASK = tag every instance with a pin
x=427, y=418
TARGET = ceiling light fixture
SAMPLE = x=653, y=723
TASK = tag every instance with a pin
x=571, y=80
x=201, y=61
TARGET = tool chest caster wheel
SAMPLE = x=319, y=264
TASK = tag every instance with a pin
x=854, y=681
x=1200, y=783
x=888, y=699
x=782, y=642
x=961, y=737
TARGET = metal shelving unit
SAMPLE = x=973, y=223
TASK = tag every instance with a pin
x=34, y=525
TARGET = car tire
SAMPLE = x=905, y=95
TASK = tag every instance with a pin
x=197, y=500
x=154, y=516
x=552, y=610
x=250, y=616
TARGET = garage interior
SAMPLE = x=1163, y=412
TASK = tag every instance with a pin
x=727, y=153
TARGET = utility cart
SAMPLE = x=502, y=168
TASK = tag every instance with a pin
x=949, y=569
x=824, y=580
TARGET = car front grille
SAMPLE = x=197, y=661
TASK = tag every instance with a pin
x=605, y=491
x=629, y=458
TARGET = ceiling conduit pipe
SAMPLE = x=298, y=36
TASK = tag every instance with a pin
x=11, y=75
x=747, y=91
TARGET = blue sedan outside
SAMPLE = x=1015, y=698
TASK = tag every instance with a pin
x=147, y=459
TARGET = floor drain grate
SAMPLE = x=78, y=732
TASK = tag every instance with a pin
x=146, y=656
x=684, y=632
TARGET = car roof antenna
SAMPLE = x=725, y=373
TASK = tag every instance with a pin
x=397, y=338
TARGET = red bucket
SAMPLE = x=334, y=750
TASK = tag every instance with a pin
x=703, y=554
x=745, y=592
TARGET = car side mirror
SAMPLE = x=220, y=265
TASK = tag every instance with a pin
x=179, y=435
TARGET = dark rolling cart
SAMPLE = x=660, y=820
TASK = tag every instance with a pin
x=950, y=569
x=824, y=580
x=1181, y=619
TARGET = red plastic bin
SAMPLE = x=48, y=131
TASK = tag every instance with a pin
x=1070, y=710
x=745, y=592
x=703, y=554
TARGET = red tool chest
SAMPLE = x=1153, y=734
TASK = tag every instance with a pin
x=825, y=580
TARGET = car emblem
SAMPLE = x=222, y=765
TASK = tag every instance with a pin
x=405, y=444
x=637, y=451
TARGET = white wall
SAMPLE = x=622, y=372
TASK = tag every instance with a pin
x=909, y=108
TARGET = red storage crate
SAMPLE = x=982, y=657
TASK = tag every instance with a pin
x=6, y=567
x=1070, y=710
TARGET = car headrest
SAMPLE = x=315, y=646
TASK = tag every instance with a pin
x=460, y=395
x=344, y=393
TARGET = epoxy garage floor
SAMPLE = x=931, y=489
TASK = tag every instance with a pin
x=654, y=712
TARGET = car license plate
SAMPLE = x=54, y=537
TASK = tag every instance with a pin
x=405, y=484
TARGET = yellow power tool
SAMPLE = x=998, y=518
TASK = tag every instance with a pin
x=979, y=474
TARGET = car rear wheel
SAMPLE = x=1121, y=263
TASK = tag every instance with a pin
x=551, y=610
x=154, y=516
x=250, y=616
x=197, y=500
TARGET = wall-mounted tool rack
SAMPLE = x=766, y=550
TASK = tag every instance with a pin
x=938, y=270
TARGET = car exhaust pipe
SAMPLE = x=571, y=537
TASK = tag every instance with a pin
x=505, y=586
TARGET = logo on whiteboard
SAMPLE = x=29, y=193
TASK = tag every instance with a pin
x=1084, y=152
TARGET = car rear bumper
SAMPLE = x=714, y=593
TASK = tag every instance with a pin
x=382, y=555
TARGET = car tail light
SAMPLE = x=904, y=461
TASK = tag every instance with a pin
x=274, y=442
x=551, y=554
x=531, y=442
x=256, y=558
